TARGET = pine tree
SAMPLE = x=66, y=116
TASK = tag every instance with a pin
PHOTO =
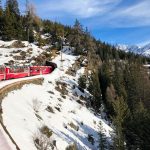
x=94, y=89
x=121, y=113
x=82, y=82
x=77, y=37
x=1, y=9
x=13, y=6
x=1, y=18
x=8, y=30
x=118, y=80
x=137, y=85
x=12, y=28
x=137, y=128
x=103, y=145
x=77, y=26
x=110, y=96
x=105, y=79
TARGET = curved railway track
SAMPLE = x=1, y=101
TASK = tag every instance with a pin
x=6, y=87
x=4, y=90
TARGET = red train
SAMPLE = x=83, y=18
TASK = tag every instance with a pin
x=7, y=73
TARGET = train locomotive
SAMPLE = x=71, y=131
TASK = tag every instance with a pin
x=15, y=72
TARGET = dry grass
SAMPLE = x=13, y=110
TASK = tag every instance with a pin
x=62, y=88
x=46, y=131
x=73, y=126
x=50, y=109
x=72, y=147
x=16, y=44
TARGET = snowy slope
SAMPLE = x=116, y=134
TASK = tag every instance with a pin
x=28, y=109
x=8, y=53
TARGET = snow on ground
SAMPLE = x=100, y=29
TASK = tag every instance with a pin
x=5, y=142
x=28, y=109
x=6, y=44
x=8, y=54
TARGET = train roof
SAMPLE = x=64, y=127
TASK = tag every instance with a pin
x=3, y=66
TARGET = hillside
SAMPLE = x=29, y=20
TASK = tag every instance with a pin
x=63, y=111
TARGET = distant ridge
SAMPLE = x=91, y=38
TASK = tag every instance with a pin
x=142, y=50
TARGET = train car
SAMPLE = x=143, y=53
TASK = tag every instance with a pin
x=39, y=70
x=2, y=73
x=17, y=72
x=7, y=73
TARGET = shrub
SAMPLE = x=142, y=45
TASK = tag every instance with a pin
x=91, y=139
x=46, y=131
x=72, y=147
x=62, y=88
x=50, y=109
x=50, y=92
x=82, y=82
x=42, y=142
x=80, y=102
x=58, y=109
x=75, y=127
x=17, y=44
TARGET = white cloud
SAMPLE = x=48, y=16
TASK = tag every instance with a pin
x=131, y=15
x=134, y=15
x=141, y=9
x=96, y=13
x=79, y=8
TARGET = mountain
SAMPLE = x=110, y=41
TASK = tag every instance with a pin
x=142, y=50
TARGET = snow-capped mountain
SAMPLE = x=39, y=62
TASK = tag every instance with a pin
x=142, y=50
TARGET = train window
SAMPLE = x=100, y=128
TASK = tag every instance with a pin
x=1, y=70
x=18, y=69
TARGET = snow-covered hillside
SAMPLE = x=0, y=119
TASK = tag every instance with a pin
x=142, y=50
x=15, y=53
x=54, y=113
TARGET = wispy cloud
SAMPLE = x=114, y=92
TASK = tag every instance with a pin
x=79, y=8
x=133, y=15
x=114, y=16
x=99, y=12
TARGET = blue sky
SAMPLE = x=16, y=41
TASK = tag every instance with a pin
x=113, y=21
